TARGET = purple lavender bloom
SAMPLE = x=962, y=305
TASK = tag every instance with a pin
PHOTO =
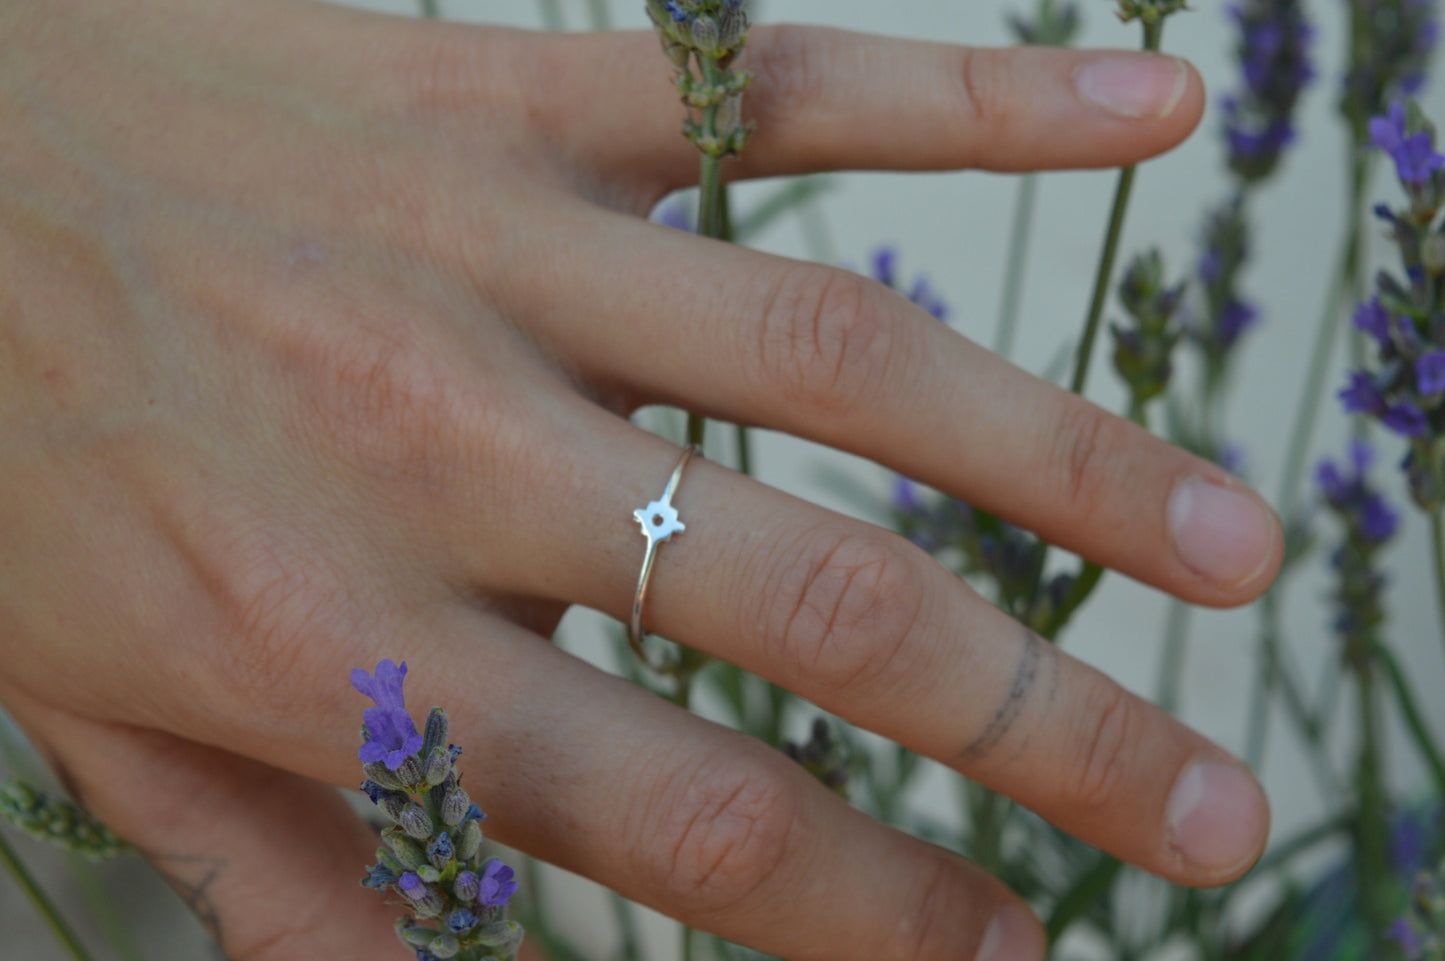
x=1414, y=154
x=1430, y=373
x=1236, y=318
x=905, y=496
x=1361, y=396
x=497, y=886
x=1372, y=318
x=1407, y=420
x=1274, y=57
x=462, y=921
x=1378, y=521
x=885, y=266
x=1403, y=933
x=393, y=734
x=412, y=886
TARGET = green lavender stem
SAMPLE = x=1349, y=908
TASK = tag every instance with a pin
x=551, y=14
x=1090, y=573
x=1414, y=720
x=1093, y=884
x=1176, y=641
x=43, y=905
x=1437, y=543
x=601, y=16
x=1372, y=859
x=1018, y=246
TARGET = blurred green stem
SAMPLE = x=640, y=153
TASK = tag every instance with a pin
x=1171, y=669
x=600, y=15
x=43, y=905
x=1415, y=721
x=551, y=14
x=1092, y=885
x=1372, y=856
x=1437, y=543
x=1018, y=248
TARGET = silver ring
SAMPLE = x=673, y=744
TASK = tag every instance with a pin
x=659, y=522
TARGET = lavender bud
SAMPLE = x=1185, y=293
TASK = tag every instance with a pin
x=674, y=51
x=501, y=937
x=425, y=901
x=393, y=804
x=407, y=851
x=1432, y=254
x=410, y=773
x=437, y=726
x=390, y=861
x=439, y=851
x=413, y=935
x=381, y=774
x=467, y=886
x=438, y=766
x=470, y=842
x=461, y=920
x=445, y=946
x=705, y=35
x=429, y=874
x=415, y=822
x=454, y=807
x=731, y=28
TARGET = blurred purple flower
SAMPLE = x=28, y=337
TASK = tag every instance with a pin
x=1405, y=419
x=1414, y=154
x=497, y=886
x=1430, y=373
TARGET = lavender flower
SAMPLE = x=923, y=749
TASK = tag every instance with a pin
x=709, y=34
x=1274, y=42
x=60, y=822
x=430, y=854
x=1143, y=351
x=391, y=733
x=1420, y=931
x=1413, y=153
x=1404, y=388
x=1369, y=523
x=883, y=267
x=823, y=756
x=1054, y=25
x=1391, y=43
x=1223, y=316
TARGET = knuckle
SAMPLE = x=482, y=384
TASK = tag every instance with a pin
x=841, y=608
x=1086, y=447
x=724, y=833
x=1107, y=737
x=929, y=923
x=826, y=343
x=985, y=89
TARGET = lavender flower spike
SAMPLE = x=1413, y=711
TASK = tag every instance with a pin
x=392, y=734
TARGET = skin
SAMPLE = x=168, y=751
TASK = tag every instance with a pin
x=318, y=334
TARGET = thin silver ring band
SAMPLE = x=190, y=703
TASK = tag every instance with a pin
x=659, y=522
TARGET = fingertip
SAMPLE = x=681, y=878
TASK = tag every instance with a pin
x=1141, y=88
x=1217, y=820
x=1226, y=535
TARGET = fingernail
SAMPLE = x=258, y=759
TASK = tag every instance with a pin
x=1014, y=934
x=1136, y=86
x=1222, y=534
x=1217, y=816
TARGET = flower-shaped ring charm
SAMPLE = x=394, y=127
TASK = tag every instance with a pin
x=659, y=522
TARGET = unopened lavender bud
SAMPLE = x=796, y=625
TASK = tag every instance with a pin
x=390, y=861
x=438, y=766
x=416, y=822
x=381, y=774
x=731, y=28
x=439, y=851
x=410, y=773
x=470, y=842
x=425, y=901
x=467, y=886
x=413, y=935
x=437, y=728
x=454, y=807
x=1432, y=254
x=429, y=874
x=445, y=946
x=677, y=53
x=394, y=804
x=501, y=937
x=407, y=851
x=705, y=35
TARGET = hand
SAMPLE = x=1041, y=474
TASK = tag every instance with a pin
x=319, y=331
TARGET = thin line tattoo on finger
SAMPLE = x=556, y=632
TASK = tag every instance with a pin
x=195, y=894
x=1013, y=703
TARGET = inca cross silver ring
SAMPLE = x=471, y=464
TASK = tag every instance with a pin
x=659, y=522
